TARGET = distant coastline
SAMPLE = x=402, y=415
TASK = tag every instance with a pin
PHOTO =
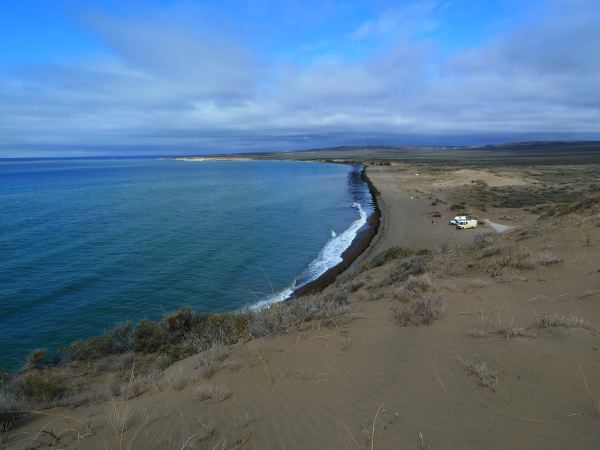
x=211, y=158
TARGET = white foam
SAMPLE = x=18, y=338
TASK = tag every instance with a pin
x=329, y=256
x=274, y=298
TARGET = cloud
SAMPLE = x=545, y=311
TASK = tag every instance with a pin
x=408, y=20
x=170, y=87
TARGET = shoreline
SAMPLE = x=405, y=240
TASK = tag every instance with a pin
x=361, y=245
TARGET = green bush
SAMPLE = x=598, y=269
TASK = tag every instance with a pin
x=181, y=322
x=149, y=336
x=42, y=386
x=37, y=359
x=390, y=254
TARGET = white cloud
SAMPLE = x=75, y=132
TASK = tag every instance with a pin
x=173, y=87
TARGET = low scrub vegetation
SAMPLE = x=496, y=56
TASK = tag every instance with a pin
x=506, y=332
x=12, y=406
x=412, y=288
x=402, y=269
x=211, y=392
x=186, y=332
x=546, y=258
x=484, y=376
x=422, y=311
x=42, y=385
x=567, y=321
x=128, y=347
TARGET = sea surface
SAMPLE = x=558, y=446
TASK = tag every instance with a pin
x=86, y=244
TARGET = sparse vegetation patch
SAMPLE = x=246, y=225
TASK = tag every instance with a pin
x=422, y=311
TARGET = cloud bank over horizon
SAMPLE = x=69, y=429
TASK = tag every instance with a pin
x=184, y=77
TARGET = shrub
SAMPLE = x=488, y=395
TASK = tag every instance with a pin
x=411, y=265
x=181, y=322
x=418, y=284
x=149, y=336
x=120, y=338
x=478, y=283
x=413, y=287
x=390, y=254
x=422, y=311
x=490, y=251
x=546, y=258
x=484, y=375
x=482, y=240
x=117, y=340
x=567, y=321
x=42, y=386
x=12, y=406
x=285, y=317
x=37, y=359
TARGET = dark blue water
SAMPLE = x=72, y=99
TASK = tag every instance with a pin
x=85, y=244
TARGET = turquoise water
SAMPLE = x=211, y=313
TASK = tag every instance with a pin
x=85, y=244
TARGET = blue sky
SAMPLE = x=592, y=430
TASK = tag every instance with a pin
x=173, y=77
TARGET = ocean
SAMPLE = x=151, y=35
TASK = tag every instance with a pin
x=86, y=244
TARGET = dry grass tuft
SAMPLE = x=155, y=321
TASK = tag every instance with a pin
x=483, y=375
x=422, y=311
x=567, y=321
x=118, y=415
x=134, y=388
x=546, y=258
x=219, y=351
x=208, y=367
x=288, y=317
x=207, y=431
x=126, y=360
x=11, y=407
x=506, y=332
x=177, y=379
x=215, y=392
x=163, y=361
x=478, y=283
x=113, y=385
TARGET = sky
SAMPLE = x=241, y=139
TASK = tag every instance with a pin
x=164, y=77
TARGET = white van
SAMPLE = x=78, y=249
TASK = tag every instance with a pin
x=465, y=224
x=457, y=219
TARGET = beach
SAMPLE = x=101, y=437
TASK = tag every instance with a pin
x=502, y=354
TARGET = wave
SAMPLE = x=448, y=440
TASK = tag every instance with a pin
x=329, y=256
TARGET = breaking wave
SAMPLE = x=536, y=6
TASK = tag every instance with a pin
x=329, y=256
